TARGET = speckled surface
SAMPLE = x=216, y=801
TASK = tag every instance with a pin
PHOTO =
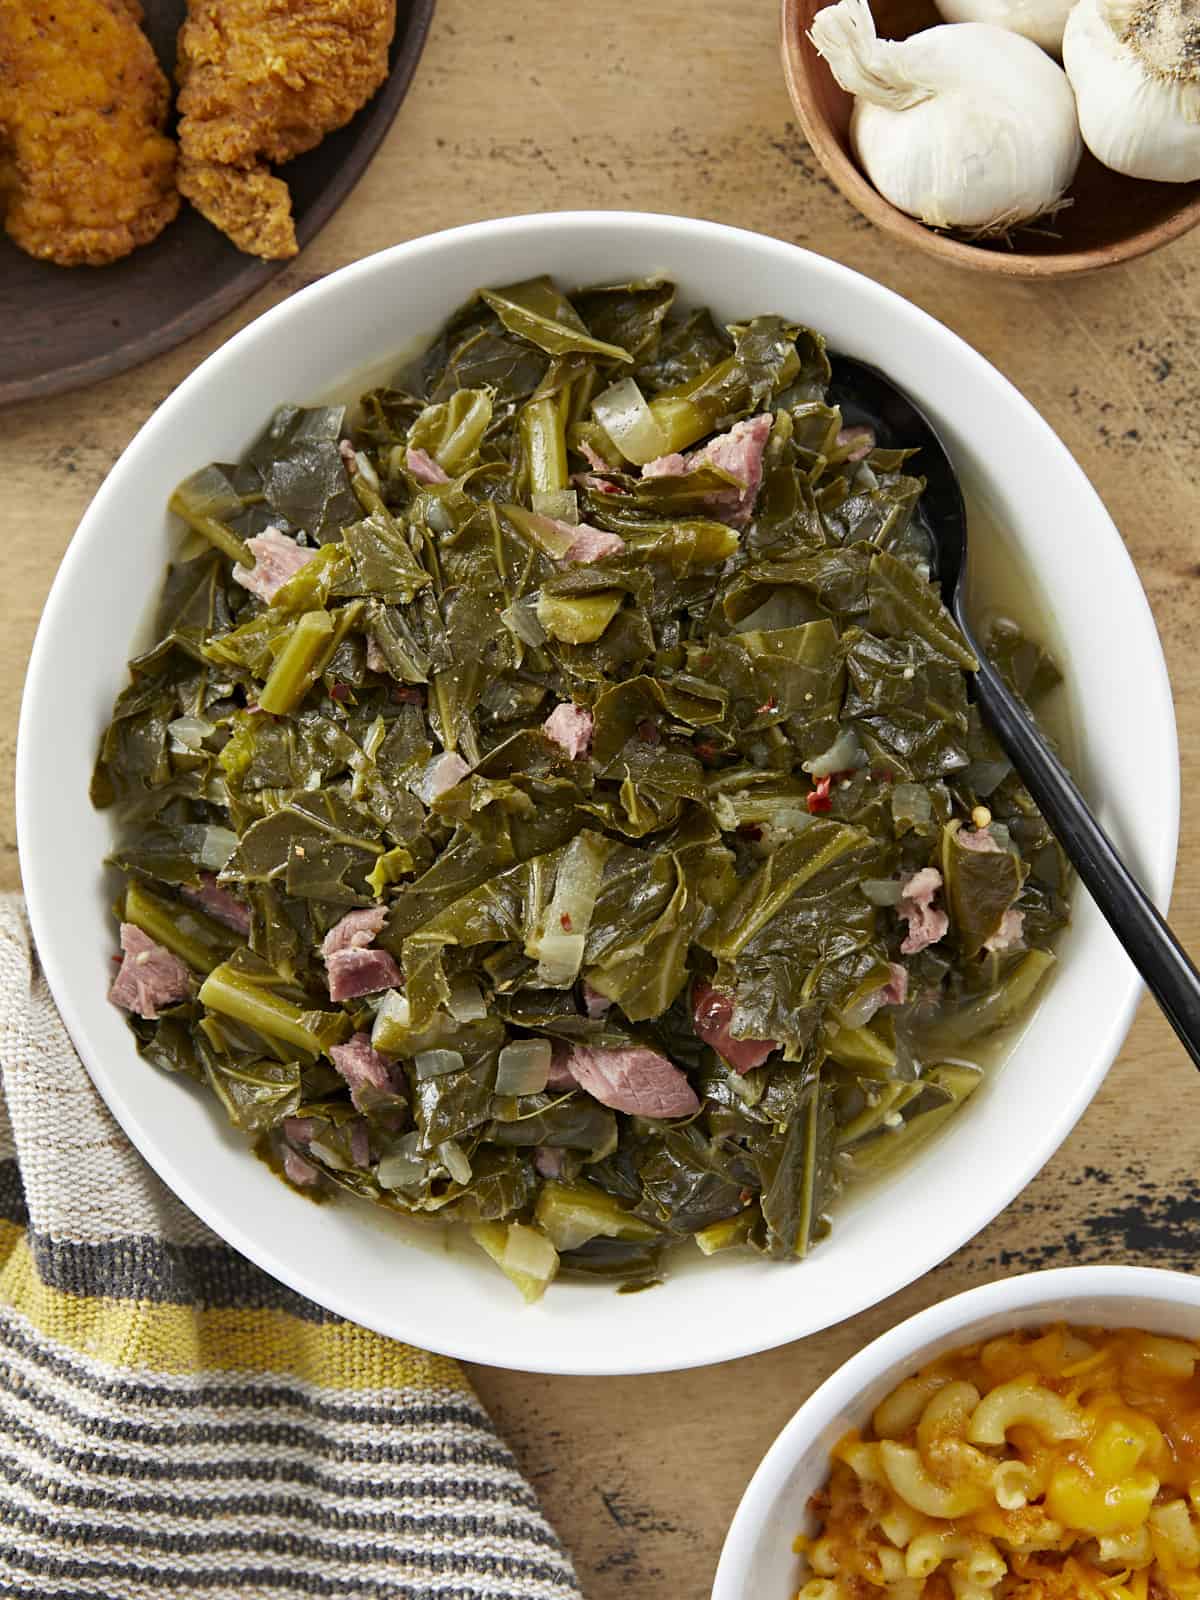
x=670, y=106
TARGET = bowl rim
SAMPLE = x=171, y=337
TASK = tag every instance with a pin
x=469, y=1342
x=903, y=1342
x=854, y=186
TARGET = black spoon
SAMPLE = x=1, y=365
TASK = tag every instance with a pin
x=867, y=397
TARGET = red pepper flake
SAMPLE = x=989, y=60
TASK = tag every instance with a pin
x=404, y=695
x=648, y=731
x=707, y=751
x=750, y=830
x=818, y=801
x=565, y=919
x=340, y=692
x=882, y=775
x=769, y=705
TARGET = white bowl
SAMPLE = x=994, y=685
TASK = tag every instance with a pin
x=757, y=1560
x=454, y=1300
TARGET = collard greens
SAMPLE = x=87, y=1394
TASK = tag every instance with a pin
x=744, y=869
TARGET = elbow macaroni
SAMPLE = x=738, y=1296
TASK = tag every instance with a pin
x=1062, y=1465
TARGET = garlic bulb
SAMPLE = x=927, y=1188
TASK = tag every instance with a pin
x=963, y=126
x=1040, y=20
x=1135, y=68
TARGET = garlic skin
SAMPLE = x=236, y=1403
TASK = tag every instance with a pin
x=1042, y=21
x=962, y=126
x=1135, y=70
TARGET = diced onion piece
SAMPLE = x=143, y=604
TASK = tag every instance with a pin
x=453, y=1158
x=328, y=1155
x=466, y=1003
x=366, y=471
x=558, y=944
x=393, y=1021
x=845, y=754
x=189, y=733
x=402, y=1167
x=217, y=847
x=561, y=505
x=437, y=516
x=521, y=618
x=437, y=1063
x=623, y=413
x=523, y=1067
x=881, y=891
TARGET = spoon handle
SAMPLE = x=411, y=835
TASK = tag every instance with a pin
x=1151, y=945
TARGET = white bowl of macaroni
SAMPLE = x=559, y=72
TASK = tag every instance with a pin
x=1040, y=1435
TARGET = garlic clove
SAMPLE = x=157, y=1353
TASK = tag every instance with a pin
x=1135, y=70
x=962, y=126
x=1042, y=21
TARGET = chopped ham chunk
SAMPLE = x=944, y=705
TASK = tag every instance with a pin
x=570, y=726
x=150, y=977
x=561, y=1077
x=364, y=1069
x=926, y=922
x=354, y=931
x=589, y=544
x=860, y=440
x=893, y=993
x=549, y=1161
x=360, y=1144
x=978, y=839
x=219, y=903
x=441, y=775
x=349, y=455
x=300, y=1171
x=1009, y=933
x=633, y=1079
x=423, y=467
x=300, y=1130
x=712, y=1014
x=354, y=968
x=739, y=453
x=593, y=457
x=595, y=1003
x=276, y=560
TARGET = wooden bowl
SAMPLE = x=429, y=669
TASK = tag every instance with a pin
x=1112, y=219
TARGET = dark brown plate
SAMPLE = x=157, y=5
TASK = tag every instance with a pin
x=62, y=327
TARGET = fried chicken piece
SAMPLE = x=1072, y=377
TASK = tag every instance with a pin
x=86, y=172
x=262, y=81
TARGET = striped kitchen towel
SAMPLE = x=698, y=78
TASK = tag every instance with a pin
x=175, y=1422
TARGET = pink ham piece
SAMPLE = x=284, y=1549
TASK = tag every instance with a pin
x=860, y=440
x=570, y=726
x=360, y=1144
x=978, y=839
x=927, y=923
x=1009, y=933
x=739, y=453
x=588, y=544
x=595, y=1003
x=301, y=1172
x=893, y=993
x=561, y=1077
x=150, y=976
x=712, y=1013
x=549, y=1161
x=349, y=455
x=633, y=1079
x=441, y=775
x=364, y=1069
x=593, y=457
x=423, y=467
x=352, y=966
x=219, y=903
x=276, y=559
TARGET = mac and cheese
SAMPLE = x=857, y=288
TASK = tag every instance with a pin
x=1057, y=1464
